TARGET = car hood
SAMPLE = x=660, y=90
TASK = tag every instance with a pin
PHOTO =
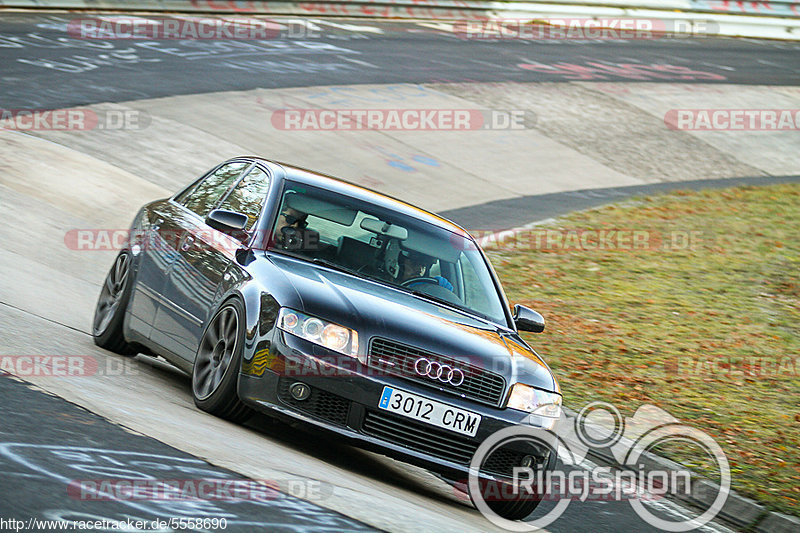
x=377, y=310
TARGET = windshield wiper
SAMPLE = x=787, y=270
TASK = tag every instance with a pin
x=455, y=307
x=446, y=303
x=340, y=268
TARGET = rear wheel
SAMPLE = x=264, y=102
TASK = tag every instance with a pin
x=215, y=372
x=110, y=310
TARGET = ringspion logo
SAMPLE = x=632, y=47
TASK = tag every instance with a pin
x=598, y=425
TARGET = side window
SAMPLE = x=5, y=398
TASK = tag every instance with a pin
x=208, y=192
x=248, y=196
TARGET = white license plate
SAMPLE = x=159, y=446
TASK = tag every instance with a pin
x=429, y=411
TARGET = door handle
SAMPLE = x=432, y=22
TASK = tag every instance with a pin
x=187, y=243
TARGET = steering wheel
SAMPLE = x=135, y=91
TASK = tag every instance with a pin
x=432, y=287
x=423, y=279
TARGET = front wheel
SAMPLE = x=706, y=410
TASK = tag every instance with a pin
x=216, y=365
x=506, y=502
x=110, y=310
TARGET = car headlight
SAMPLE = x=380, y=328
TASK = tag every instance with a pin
x=332, y=336
x=536, y=401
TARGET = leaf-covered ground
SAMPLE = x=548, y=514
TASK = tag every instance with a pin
x=700, y=316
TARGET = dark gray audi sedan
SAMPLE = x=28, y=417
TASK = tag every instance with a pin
x=315, y=300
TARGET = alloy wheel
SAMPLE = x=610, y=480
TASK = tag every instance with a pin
x=111, y=294
x=216, y=351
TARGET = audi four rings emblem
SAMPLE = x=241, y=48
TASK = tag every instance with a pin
x=438, y=371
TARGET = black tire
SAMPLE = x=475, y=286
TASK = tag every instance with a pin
x=515, y=510
x=519, y=506
x=216, y=366
x=111, y=305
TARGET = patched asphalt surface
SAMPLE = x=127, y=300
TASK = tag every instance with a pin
x=55, y=458
x=46, y=66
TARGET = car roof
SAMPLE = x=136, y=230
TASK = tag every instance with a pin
x=338, y=185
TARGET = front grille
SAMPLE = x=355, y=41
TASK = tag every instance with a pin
x=320, y=404
x=479, y=384
x=438, y=442
x=419, y=437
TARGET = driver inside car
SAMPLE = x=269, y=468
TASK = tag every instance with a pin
x=417, y=265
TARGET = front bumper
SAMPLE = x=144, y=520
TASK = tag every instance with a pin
x=344, y=402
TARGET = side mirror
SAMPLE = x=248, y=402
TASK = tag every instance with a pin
x=224, y=220
x=527, y=319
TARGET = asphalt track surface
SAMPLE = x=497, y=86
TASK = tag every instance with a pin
x=502, y=214
x=54, y=467
x=55, y=457
x=41, y=69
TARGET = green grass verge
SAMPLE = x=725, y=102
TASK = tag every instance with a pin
x=707, y=328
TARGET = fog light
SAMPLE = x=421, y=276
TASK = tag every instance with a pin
x=300, y=391
x=527, y=461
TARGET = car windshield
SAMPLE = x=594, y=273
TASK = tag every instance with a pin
x=349, y=234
